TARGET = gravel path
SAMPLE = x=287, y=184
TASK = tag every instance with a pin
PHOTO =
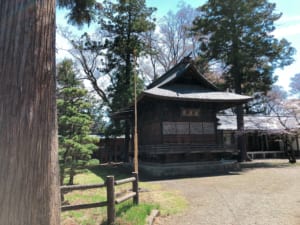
x=260, y=196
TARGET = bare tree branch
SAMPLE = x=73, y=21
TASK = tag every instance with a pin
x=89, y=60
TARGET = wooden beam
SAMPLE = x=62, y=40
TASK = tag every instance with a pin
x=125, y=197
x=124, y=181
x=111, y=213
x=83, y=206
x=135, y=188
x=68, y=188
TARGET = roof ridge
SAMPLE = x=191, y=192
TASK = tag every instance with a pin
x=165, y=75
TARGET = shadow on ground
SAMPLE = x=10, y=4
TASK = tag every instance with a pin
x=123, y=170
x=118, y=170
x=267, y=163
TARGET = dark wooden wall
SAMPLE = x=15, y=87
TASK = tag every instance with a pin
x=157, y=118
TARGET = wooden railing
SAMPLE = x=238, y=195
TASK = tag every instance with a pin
x=184, y=148
x=252, y=154
x=112, y=200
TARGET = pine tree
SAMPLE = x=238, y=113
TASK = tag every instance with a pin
x=238, y=35
x=124, y=23
x=74, y=122
x=80, y=11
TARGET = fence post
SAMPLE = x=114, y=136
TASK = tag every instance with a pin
x=135, y=188
x=110, y=186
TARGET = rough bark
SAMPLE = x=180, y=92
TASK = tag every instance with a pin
x=236, y=72
x=29, y=181
x=241, y=134
x=241, y=138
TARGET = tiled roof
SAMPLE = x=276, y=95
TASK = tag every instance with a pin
x=170, y=86
x=194, y=94
x=179, y=70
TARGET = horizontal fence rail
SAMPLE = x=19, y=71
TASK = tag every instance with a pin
x=68, y=188
x=124, y=181
x=109, y=184
x=83, y=206
x=125, y=197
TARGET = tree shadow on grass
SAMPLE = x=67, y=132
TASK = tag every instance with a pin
x=117, y=170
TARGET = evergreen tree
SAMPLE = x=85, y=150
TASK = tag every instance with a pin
x=80, y=11
x=29, y=189
x=238, y=35
x=97, y=113
x=124, y=22
x=74, y=121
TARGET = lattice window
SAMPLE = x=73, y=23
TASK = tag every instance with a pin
x=173, y=128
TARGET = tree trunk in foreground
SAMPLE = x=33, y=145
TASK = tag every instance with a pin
x=241, y=134
x=29, y=181
x=241, y=138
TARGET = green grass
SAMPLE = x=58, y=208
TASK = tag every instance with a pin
x=127, y=213
x=98, y=174
x=169, y=201
x=173, y=203
x=155, y=197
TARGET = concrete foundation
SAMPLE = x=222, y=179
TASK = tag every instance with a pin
x=159, y=170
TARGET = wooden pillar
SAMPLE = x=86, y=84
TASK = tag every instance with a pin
x=267, y=142
x=241, y=133
x=111, y=213
x=297, y=142
x=127, y=140
x=136, y=145
x=135, y=188
x=261, y=142
x=132, y=142
x=161, y=118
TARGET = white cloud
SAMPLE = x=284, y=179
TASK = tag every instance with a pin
x=288, y=19
x=285, y=31
x=62, y=47
x=289, y=27
x=288, y=72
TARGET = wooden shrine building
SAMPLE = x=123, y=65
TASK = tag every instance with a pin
x=177, y=120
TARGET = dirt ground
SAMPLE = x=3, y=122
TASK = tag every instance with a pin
x=263, y=193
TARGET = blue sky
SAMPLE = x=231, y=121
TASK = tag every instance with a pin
x=287, y=27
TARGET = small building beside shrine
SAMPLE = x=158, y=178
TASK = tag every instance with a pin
x=268, y=136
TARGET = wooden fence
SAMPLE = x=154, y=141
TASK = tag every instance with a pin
x=266, y=153
x=112, y=200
